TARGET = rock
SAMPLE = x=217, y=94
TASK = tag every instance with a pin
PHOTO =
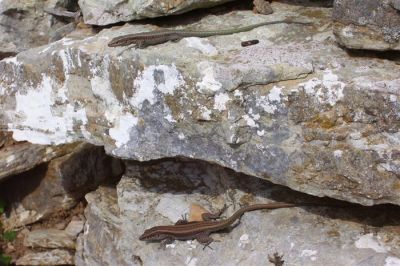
x=49, y=238
x=367, y=24
x=114, y=11
x=23, y=156
x=103, y=215
x=395, y=4
x=74, y=227
x=58, y=186
x=24, y=24
x=332, y=132
x=52, y=257
x=262, y=7
x=159, y=192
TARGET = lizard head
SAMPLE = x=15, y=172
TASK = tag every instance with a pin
x=152, y=234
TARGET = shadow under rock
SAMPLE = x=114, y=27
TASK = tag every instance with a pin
x=186, y=176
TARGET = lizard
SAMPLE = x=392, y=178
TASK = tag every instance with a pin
x=144, y=39
x=200, y=230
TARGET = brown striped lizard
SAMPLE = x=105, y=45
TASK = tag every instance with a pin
x=201, y=230
x=144, y=39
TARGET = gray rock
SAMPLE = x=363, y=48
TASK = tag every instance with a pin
x=395, y=4
x=52, y=257
x=334, y=132
x=74, y=227
x=158, y=193
x=24, y=24
x=49, y=238
x=58, y=186
x=367, y=24
x=114, y=11
x=21, y=157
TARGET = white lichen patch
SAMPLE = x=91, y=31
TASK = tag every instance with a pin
x=309, y=253
x=371, y=242
x=122, y=121
x=205, y=113
x=250, y=121
x=122, y=127
x=260, y=132
x=43, y=120
x=338, y=154
x=220, y=101
x=10, y=158
x=244, y=240
x=329, y=90
x=202, y=45
x=181, y=136
x=163, y=78
x=170, y=118
x=271, y=102
x=208, y=83
x=392, y=261
x=348, y=31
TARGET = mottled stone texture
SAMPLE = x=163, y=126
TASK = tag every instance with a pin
x=367, y=24
x=24, y=24
x=322, y=122
x=113, y=11
x=23, y=156
x=57, y=186
x=164, y=190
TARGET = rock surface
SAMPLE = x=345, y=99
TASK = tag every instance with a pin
x=114, y=11
x=21, y=157
x=367, y=24
x=49, y=238
x=332, y=133
x=57, y=186
x=160, y=192
x=52, y=257
x=25, y=24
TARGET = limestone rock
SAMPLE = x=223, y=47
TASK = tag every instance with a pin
x=367, y=24
x=23, y=156
x=320, y=121
x=395, y=4
x=159, y=192
x=262, y=7
x=114, y=11
x=49, y=238
x=58, y=186
x=25, y=24
x=74, y=227
x=52, y=257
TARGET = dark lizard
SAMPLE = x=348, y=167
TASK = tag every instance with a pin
x=201, y=230
x=143, y=39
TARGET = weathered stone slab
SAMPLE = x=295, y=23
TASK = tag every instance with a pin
x=25, y=24
x=333, y=133
x=114, y=11
x=49, y=238
x=159, y=193
x=367, y=24
x=52, y=257
x=58, y=186
x=21, y=157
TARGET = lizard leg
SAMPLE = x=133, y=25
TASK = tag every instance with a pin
x=183, y=220
x=212, y=216
x=204, y=239
x=165, y=242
